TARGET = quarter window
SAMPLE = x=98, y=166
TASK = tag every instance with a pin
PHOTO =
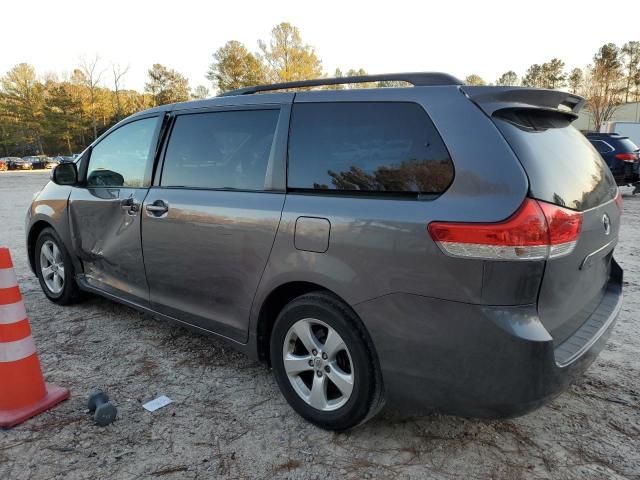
x=372, y=147
x=602, y=147
x=220, y=150
x=122, y=157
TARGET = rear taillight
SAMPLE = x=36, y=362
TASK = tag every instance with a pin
x=619, y=200
x=627, y=157
x=537, y=231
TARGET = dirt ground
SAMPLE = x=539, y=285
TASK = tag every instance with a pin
x=229, y=420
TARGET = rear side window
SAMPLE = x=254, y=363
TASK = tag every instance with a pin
x=367, y=147
x=562, y=165
x=220, y=150
x=602, y=147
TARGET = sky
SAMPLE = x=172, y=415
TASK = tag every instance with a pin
x=460, y=37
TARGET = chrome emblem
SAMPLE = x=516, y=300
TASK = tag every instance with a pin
x=606, y=223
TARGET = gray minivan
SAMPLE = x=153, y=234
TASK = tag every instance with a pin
x=438, y=247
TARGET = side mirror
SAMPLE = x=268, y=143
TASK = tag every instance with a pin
x=105, y=178
x=65, y=174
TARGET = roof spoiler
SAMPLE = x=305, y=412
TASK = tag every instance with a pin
x=492, y=99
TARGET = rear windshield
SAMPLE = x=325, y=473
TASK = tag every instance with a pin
x=562, y=165
x=627, y=145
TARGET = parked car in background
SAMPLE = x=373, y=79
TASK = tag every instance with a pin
x=621, y=155
x=626, y=129
x=24, y=163
x=10, y=162
x=416, y=246
x=49, y=162
x=35, y=161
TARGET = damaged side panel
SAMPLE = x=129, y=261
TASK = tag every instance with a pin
x=105, y=232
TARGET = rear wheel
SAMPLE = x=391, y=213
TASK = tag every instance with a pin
x=324, y=362
x=55, y=269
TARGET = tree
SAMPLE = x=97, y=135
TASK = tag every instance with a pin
x=336, y=74
x=91, y=76
x=474, y=79
x=23, y=105
x=235, y=67
x=631, y=60
x=166, y=85
x=575, y=79
x=352, y=72
x=604, y=85
x=553, y=75
x=533, y=77
x=288, y=58
x=118, y=73
x=200, y=93
x=61, y=117
x=508, y=79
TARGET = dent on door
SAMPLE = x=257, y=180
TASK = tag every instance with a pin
x=105, y=230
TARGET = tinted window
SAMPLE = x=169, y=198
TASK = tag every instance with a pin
x=601, y=146
x=377, y=147
x=121, y=158
x=220, y=150
x=562, y=165
x=627, y=145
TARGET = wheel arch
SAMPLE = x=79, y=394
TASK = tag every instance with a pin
x=277, y=299
x=32, y=237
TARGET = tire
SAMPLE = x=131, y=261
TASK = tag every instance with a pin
x=69, y=291
x=323, y=314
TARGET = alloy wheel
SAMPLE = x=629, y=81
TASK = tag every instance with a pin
x=318, y=364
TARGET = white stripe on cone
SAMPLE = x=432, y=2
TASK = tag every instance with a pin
x=8, y=278
x=12, y=313
x=18, y=350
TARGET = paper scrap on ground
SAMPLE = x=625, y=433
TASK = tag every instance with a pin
x=153, y=405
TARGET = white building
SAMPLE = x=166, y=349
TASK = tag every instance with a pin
x=629, y=112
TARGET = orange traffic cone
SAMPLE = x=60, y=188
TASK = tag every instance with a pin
x=23, y=393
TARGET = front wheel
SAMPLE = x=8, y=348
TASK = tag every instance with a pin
x=324, y=363
x=55, y=269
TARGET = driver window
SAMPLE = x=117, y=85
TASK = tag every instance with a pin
x=120, y=160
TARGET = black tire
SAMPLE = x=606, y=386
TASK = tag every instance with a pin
x=70, y=292
x=366, y=398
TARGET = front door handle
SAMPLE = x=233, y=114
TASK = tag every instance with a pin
x=157, y=208
x=129, y=205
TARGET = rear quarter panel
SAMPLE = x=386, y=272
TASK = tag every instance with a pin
x=381, y=246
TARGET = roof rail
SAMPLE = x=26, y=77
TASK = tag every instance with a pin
x=417, y=79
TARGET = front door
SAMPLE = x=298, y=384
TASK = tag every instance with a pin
x=209, y=224
x=105, y=210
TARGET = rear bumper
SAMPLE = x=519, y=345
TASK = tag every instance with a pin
x=473, y=360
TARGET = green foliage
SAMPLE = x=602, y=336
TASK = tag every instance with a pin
x=166, y=85
x=23, y=105
x=575, y=80
x=58, y=117
x=235, y=67
x=548, y=75
x=474, y=79
x=287, y=57
x=507, y=79
x=200, y=93
x=533, y=76
x=62, y=116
